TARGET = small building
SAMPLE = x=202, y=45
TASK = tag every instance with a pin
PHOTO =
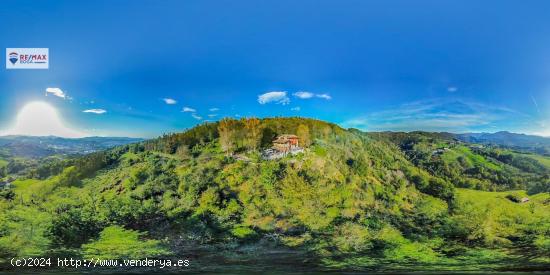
x=286, y=143
x=524, y=200
x=282, y=146
x=440, y=151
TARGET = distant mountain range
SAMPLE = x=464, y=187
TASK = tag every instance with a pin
x=532, y=143
x=36, y=147
x=33, y=147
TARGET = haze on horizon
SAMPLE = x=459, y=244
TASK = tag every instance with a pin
x=453, y=66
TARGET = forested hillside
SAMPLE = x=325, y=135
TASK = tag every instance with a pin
x=352, y=200
x=32, y=156
x=471, y=165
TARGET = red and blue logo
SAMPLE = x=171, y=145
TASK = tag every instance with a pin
x=13, y=57
x=27, y=58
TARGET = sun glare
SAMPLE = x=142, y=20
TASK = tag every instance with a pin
x=41, y=119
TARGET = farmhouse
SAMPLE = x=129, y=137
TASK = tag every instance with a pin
x=283, y=145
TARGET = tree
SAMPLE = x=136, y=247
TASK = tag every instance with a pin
x=326, y=131
x=74, y=227
x=268, y=134
x=226, y=128
x=3, y=171
x=183, y=151
x=303, y=134
x=439, y=188
x=26, y=232
x=253, y=132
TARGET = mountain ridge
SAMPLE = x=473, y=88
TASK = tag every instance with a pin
x=533, y=143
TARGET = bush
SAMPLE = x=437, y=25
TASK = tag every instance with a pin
x=74, y=227
x=243, y=233
x=513, y=197
x=116, y=242
x=7, y=194
x=543, y=243
x=434, y=186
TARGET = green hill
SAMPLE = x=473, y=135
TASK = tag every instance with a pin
x=536, y=144
x=352, y=200
x=472, y=165
x=39, y=157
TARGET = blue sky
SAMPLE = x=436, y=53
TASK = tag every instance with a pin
x=375, y=65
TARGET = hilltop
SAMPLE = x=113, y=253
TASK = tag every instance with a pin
x=350, y=200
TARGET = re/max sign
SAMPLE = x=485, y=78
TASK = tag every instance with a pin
x=27, y=58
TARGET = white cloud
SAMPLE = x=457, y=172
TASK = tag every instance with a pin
x=212, y=115
x=324, y=96
x=95, y=111
x=452, y=89
x=277, y=97
x=56, y=92
x=195, y=116
x=169, y=101
x=303, y=95
x=440, y=115
x=188, y=109
x=214, y=109
x=535, y=103
x=308, y=95
x=297, y=108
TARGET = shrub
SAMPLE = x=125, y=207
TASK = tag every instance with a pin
x=513, y=197
x=116, y=242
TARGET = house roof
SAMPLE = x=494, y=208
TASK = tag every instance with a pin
x=284, y=138
x=287, y=136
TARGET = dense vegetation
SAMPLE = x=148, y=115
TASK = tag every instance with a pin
x=353, y=200
x=472, y=165
x=41, y=157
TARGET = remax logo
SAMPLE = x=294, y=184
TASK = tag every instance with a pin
x=13, y=57
x=27, y=58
